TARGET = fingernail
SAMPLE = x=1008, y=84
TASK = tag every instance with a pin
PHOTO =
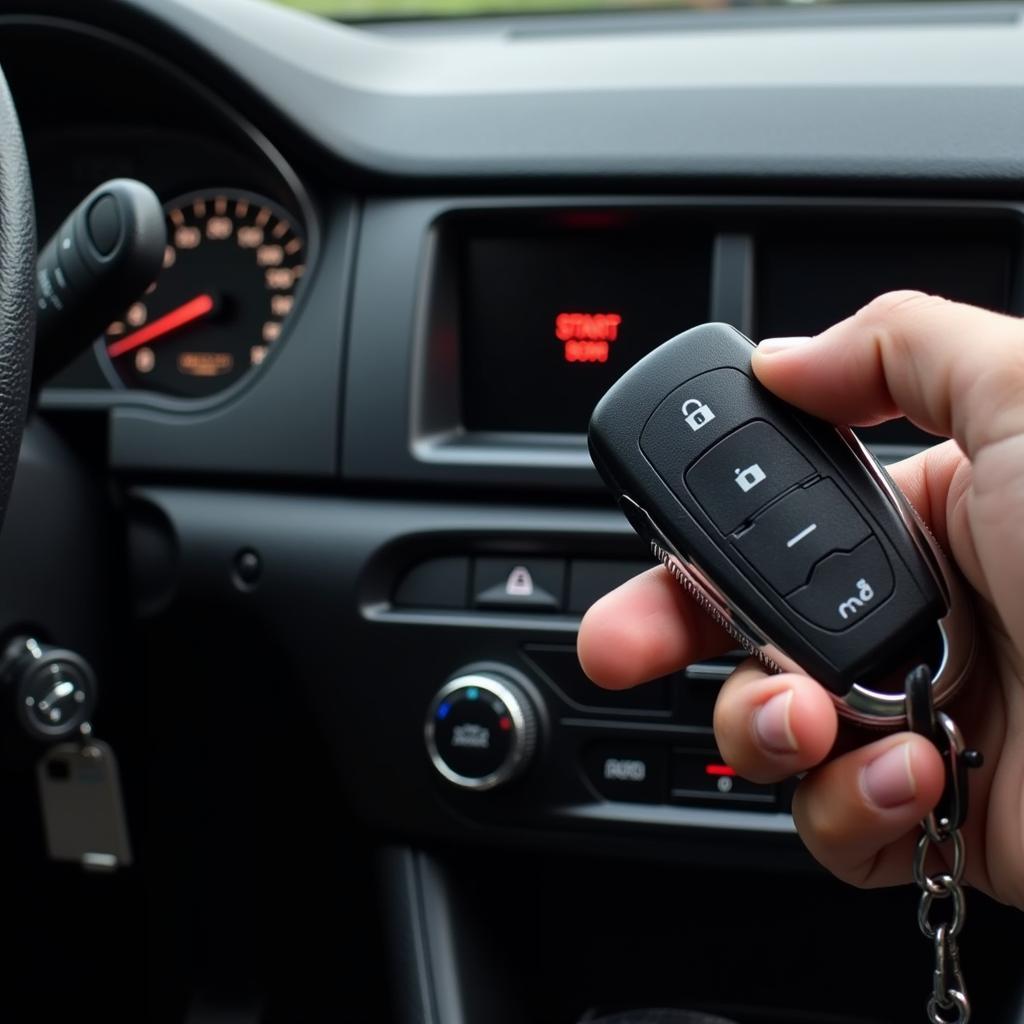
x=770, y=345
x=888, y=781
x=771, y=724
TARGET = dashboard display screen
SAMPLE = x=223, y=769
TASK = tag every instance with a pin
x=805, y=284
x=549, y=322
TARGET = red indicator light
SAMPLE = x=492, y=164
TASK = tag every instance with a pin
x=586, y=351
x=505, y=723
x=719, y=769
x=587, y=335
x=587, y=326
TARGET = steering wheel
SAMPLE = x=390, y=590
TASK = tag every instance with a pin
x=17, y=289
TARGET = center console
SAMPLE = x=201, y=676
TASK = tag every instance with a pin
x=482, y=334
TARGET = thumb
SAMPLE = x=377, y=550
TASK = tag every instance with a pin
x=953, y=370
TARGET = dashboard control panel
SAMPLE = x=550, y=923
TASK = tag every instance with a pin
x=530, y=719
x=512, y=582
x=648, y=747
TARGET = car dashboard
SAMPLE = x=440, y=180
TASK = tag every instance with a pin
x=426, y=250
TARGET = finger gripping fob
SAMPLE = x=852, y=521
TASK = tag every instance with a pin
x=783, y=527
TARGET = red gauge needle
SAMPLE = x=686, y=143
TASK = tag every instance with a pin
x=194, y=309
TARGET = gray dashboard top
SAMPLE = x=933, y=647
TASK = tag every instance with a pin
x=933, y=91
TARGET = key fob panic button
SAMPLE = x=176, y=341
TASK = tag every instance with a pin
x=743, y=472
x=845, y=587
x=788, y=538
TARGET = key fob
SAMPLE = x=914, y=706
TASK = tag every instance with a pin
x=784, y=528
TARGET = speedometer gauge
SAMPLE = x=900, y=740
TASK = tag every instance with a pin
x=230, y=270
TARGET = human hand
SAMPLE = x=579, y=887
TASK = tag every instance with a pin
x=956, y=371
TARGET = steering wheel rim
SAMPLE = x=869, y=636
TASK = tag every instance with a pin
x=17, y=289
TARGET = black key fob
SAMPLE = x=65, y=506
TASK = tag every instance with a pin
x=784, y=528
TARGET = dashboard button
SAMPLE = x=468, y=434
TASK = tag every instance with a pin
x=481, y=730
x=789, y=538
x=697, y=687
x=701, y=775
x=845, y=588
x=635, y=772
x=437, y=583
x=744, y=472
x=696, y=415
x=104, y=220
x=527, y=584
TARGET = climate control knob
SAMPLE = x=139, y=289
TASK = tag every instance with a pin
x=481, y=729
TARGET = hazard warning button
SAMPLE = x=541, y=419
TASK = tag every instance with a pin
x=531, y=584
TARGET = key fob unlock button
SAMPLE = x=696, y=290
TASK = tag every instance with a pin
x=744, y=472
x=845, y=587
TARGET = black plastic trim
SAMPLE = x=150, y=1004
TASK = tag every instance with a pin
x=716, y=109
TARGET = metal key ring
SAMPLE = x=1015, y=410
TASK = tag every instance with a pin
x=956, y=999
x=937, y=886
x=956, y=922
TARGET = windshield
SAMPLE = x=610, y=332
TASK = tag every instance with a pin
x=357, y=10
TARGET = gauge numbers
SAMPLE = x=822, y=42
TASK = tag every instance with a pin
x=231, y=267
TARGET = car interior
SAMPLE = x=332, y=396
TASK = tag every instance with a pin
x=325, y=300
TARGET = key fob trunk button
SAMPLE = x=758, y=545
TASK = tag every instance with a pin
x=845, y=588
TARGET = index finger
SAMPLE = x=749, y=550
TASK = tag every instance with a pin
x=644, y=629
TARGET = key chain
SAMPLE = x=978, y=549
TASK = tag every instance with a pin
x=948, y=1003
